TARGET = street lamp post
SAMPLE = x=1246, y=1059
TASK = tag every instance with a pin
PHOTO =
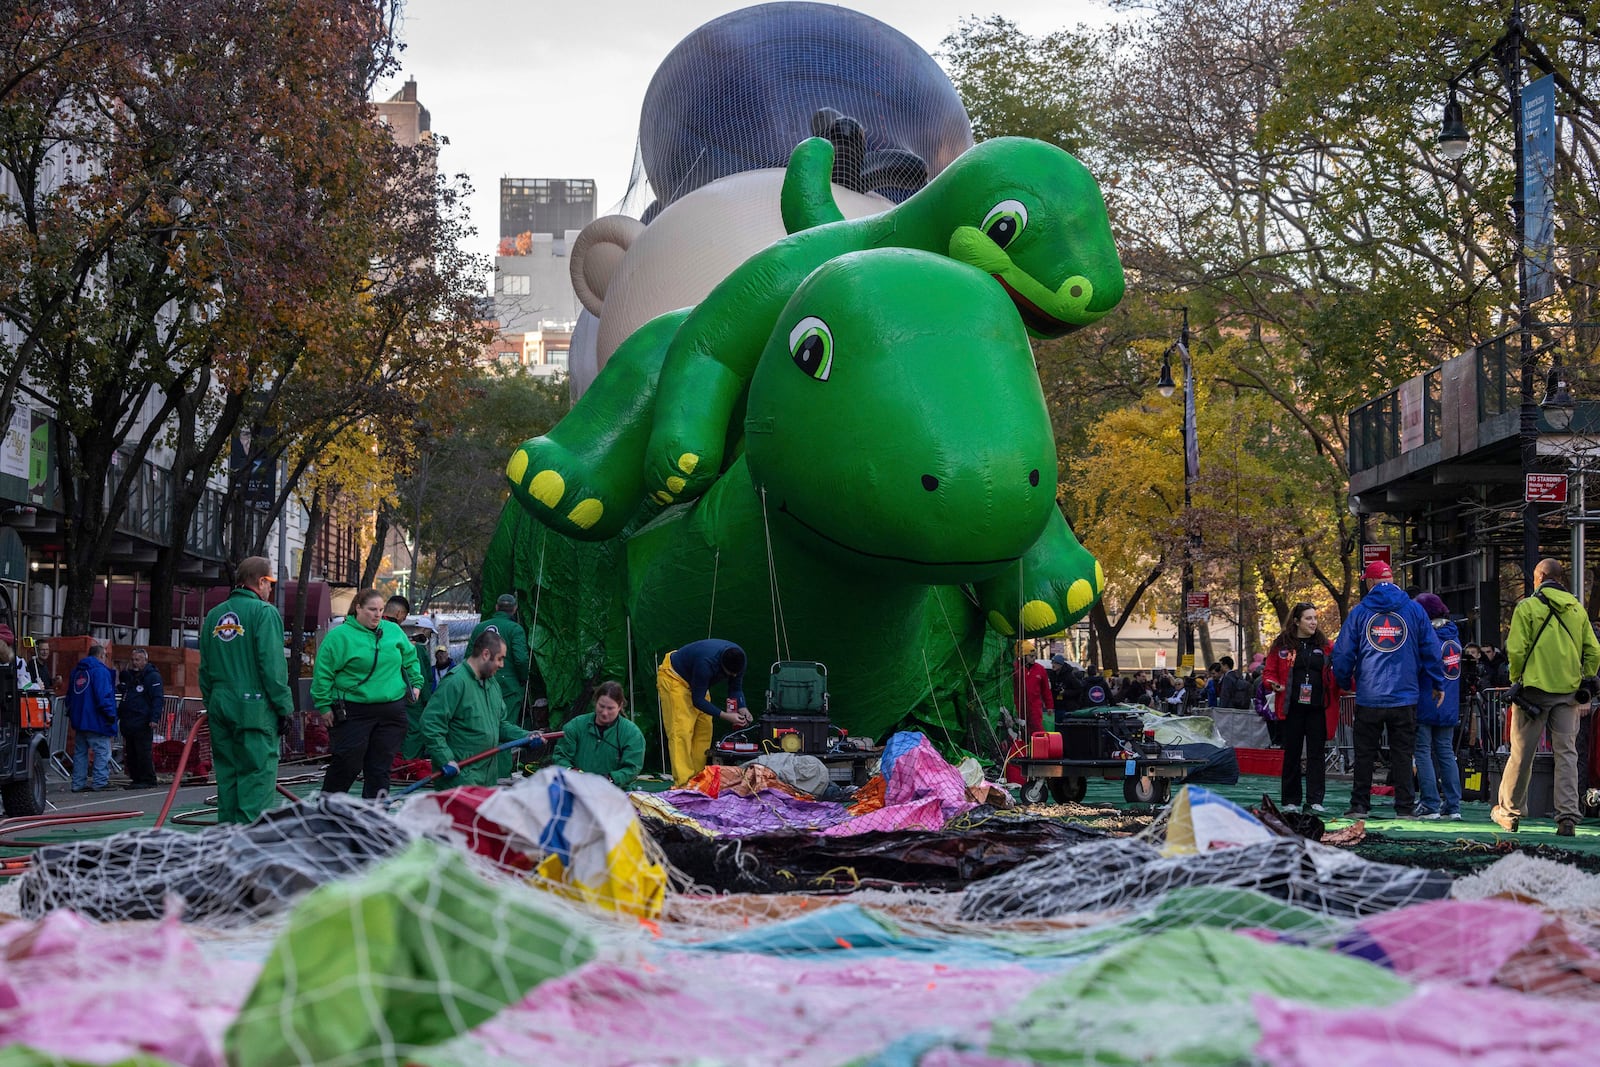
x=1507, y=53
x=1191, y=470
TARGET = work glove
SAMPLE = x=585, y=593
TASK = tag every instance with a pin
x=283, y=726
x=532, y=741
x=450, y=770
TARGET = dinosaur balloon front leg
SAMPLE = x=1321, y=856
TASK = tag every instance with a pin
x=585, y=477
x=1054, y=585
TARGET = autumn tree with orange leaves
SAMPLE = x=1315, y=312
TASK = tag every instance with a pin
x=207, y=228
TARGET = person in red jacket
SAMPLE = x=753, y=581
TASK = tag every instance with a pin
x=1031, y=685
x=1299, y=669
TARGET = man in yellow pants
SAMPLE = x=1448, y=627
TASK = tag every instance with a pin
x=684, y=681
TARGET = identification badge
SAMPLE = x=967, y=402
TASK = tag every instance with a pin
x=1305, y=693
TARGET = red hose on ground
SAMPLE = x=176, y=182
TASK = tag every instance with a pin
x=470, y=760
x=183, y=763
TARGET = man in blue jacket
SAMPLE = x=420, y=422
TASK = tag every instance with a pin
x=1438, y=777
x=142, y=704
x=1385, y=646
x=92, y=709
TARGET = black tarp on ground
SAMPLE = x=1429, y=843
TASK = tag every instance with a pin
x=223, y=874
x=790, y=861
x=1221, y=766
x=1126, y=872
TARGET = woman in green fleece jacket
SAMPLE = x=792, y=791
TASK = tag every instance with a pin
x=366, y=673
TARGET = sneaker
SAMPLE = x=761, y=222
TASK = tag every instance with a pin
x=1319, y=809
x=1566, y=828
x=1504, y=819
x=1289, y=808
x=1454, y=816
x=1358, y=813
x=1428, y=816
x=79, y=788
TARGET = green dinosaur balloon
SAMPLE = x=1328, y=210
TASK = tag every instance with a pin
x=897, y=467
x=1023, y=212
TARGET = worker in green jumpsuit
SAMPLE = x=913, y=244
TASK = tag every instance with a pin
x=514, y=679
x=244, y=683
x=467, y=716
x=603, y=742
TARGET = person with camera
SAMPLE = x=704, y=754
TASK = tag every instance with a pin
x=244, y=683
x=1551, y=670
x=366, y=674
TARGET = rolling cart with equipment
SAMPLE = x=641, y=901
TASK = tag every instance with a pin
x=1100, y=743
x=796, y=721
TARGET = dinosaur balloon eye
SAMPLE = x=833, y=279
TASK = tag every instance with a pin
x=811, y=345
x=1004, y=221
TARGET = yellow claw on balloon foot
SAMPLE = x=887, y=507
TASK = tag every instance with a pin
x=1080, y=595
x=517, y=466
x=586, y=513
x=688, y=462
x=998, y=621
x=1099, y=578
x=676, y=484
x=1037, y=616
x=547, y=488
x=661, y=496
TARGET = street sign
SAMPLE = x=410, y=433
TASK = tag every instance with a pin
x=1161, y=659
x=1545, y=489
x=1198, y=602
x=1375, y=554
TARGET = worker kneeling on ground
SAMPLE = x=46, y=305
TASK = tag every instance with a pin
x=603, y=742
x=684, y=681
x=466, y=716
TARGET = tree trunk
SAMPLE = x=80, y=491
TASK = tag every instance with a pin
x=369, y=573
x=1103, y=633
x=297, y=628
x=1275, y=594
x=1203, y=629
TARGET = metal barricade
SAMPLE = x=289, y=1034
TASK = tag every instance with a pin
x=179, y=715
x=1344, y=739
x=59, y=726
x=1497, y=724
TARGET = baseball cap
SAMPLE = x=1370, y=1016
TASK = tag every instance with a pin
x=1058, y=659
x=1430, y=603
x=1378, y=571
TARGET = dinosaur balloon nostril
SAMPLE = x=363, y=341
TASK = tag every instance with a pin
x=1033, y=476
x=929, y=482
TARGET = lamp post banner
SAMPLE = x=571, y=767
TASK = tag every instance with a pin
x=1191, y=432
x=1538, y=170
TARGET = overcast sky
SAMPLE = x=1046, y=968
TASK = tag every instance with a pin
x=553, y=90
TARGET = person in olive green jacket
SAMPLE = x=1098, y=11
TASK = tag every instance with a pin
x=603, y=742
x=467, y=716
x=514, y=679
x=244, y=683
x=1552, y=651
x=366, y=673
